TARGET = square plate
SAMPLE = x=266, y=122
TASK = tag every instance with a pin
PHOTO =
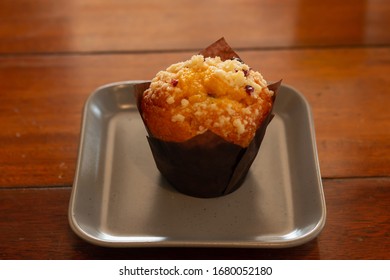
x=119, y=199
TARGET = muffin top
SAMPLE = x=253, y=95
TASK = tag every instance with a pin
x=189, y=98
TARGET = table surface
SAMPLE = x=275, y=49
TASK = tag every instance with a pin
x=53, y=54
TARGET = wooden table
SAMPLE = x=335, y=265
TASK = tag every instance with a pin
x=53, y=54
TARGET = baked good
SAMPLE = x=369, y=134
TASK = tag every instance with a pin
x=206, y=118
x=203, y=94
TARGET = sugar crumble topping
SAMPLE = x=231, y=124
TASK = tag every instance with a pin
x=184, y=102
x=178, y=118
x=170, y=100
x=239, y=125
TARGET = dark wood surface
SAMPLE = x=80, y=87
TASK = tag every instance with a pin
x=53, y=54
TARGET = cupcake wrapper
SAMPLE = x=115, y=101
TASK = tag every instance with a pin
x=219, y=48
x=206, y=165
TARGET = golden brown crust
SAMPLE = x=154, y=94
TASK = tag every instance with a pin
x=225, y=97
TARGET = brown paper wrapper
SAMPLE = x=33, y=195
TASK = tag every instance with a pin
x=206, y=165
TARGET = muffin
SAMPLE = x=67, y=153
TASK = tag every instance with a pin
x=203, y=94
x=206, y=118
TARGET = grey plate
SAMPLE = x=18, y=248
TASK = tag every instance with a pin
x=119, y=198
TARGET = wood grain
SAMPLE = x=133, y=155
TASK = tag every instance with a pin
x=94, y=26
x=42, y=99
x=357, y=227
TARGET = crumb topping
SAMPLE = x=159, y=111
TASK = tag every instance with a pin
x=170, y=100
x=178, y=118
x=239, y=125
x=184, y=102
